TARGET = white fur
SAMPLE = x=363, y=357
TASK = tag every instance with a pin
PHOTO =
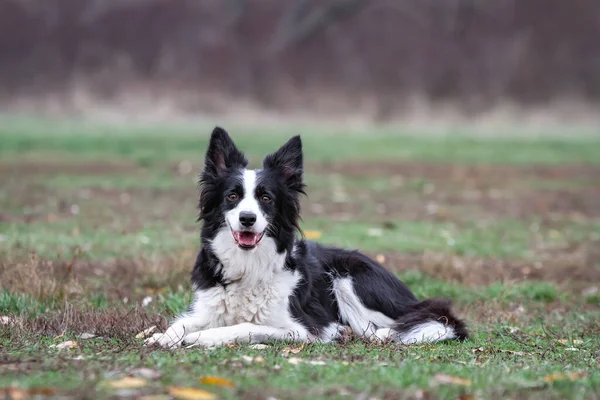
x=244, y=333
x=364, y=322
x=251, y=313
x=249, y=203
x=376, y=326
x=430, y=331
x=258, y=264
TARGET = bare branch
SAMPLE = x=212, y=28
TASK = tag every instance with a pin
x=293, y=30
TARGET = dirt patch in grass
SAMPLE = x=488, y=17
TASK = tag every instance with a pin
x=132, y=280
x=52, y=167
x=575, y=269
x=115, y=323
x=110, y=281
x=450, y=192
x=477, y=175
x=410, y=191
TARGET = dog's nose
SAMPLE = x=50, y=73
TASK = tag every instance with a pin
x=247, y=219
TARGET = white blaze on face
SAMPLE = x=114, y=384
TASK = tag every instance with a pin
x=249, y=203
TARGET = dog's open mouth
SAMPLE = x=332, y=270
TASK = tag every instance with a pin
x=247, y=240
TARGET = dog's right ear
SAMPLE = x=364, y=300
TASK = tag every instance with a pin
x=222, y=154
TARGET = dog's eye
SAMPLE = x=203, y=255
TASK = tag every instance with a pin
x=232, y=197
x=265, y=199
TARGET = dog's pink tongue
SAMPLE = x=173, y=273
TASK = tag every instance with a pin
x=248, y=238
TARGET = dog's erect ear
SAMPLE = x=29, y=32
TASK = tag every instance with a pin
x=287, y=160
x=222, y=154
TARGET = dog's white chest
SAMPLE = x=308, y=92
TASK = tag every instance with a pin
x=261, y=303
x=251, y=304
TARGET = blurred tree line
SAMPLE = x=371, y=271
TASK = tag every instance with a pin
x=285, y=52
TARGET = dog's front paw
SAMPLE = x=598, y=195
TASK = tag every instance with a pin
x=167, y=340
x=200, y=339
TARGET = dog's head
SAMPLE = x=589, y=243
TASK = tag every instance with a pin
x=251, y=206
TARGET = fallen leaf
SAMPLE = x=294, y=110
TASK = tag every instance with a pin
x=145, y=333
x=259, y=346
x=249, y=359
x=312, y=235
x=86, y=335
x=451, y=380
x=217, y=381
x=69, y=344
x=559, y=376
x=190, y=393
x=375, y=232
x=43, y=391
x=18, y=393
x=295, y=360
x=380, y=258
x=145, y=373
x=128, y=382
x=155, y=397
x=146, y=301
x=293, y=350
x=14, y=393
x=155, y=290
x=516, y=353
x=567, y=341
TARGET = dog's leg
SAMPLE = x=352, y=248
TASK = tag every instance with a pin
x=245, y=333
x=175, y=334
x=201, y=315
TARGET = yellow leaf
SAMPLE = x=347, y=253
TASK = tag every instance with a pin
x=189, y=393
x=69, y=344
x=451, y=380
x=217, y=381
x=14, y=393
x=146, y=333
x=566, y=341
x=293, y=350
x=42, y=391
x=128, y=382
x=155, y=397
x=380, y=258
x=559, y=376
x=312, y=235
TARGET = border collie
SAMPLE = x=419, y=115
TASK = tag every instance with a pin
x=256, y=280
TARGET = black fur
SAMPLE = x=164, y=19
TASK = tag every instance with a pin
x=312, y=303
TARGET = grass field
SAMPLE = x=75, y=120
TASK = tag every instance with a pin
x=98, y=237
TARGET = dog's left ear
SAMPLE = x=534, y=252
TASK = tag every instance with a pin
x=287, y=161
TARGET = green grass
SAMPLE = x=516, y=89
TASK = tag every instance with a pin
x=149, y=145
x=67, y=270
x=493, y=363
x=500, y=359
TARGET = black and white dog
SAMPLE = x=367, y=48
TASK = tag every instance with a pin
x=256, y=281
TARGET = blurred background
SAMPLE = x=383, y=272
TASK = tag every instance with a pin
x=374, y=61
x=456, y=142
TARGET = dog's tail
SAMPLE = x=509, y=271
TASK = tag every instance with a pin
x=430, y=320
